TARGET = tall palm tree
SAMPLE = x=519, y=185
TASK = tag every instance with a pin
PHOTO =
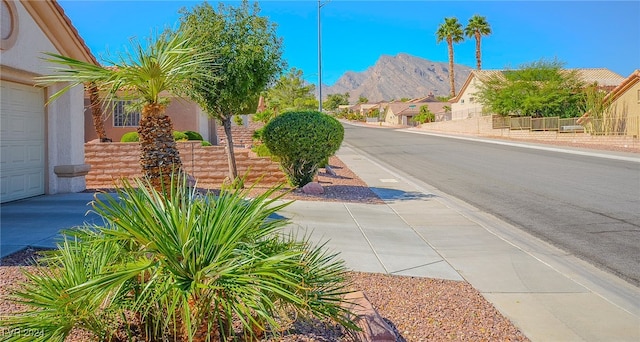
x=145, y=76
x=451, y=32
x=477, y=27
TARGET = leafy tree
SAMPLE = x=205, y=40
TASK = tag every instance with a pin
x=426, y=115
x=477, y=27
x=333, y=101
x=451, y=32
x=405, y=99
x=249, y=56
x=163, y=65
x=291, y=92
x=538, y=89
x=363, y=99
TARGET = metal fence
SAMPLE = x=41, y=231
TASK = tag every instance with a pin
x=623, y=125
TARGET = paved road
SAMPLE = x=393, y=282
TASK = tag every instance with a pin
x=586, y=205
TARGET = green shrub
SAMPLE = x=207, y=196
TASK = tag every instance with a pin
x=205, y=143
x=261, y=150
x=238, y=120
x=130, y=137
x=302, y=141
x=179, y=266
x=179, y=136
x=191, y=135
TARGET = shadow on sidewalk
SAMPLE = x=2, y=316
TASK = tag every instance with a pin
x=399, y=195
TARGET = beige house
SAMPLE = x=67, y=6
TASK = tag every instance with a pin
x=624, y=106
x=402, y=113
x=465, y=104
x=42, y=147
x=625, y=98
x=185, y=115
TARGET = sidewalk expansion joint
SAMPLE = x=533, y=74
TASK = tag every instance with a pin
x=416, y=267
x=366, y=238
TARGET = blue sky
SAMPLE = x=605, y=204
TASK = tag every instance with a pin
x=583, y=34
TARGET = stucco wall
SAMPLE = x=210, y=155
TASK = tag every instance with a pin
x=113, y=161
x=64, y=118
x=468, y=105
x=628, y=105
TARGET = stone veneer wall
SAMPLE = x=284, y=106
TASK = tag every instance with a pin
x=207, y=164
x=242, y=136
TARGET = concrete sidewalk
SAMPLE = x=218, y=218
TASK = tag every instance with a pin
x=549, y=295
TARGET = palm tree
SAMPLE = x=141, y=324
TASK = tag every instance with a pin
x=96, y=111
x=145, y=76
x=477, y=27
x=451, y=31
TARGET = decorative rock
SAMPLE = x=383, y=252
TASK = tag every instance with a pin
x=313, y=188
x=374, y=328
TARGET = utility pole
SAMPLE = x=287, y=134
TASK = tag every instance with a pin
x=320, y=5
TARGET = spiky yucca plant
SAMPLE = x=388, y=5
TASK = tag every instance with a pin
x=187, y=266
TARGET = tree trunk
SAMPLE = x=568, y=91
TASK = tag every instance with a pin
x=451, y=75
x=478, y=57
x=160, y=157
x=96, y=112
x=231, y=157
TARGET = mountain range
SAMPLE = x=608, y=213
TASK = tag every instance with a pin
x=396, y=77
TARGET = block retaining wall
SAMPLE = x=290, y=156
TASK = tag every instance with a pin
x=111, y=162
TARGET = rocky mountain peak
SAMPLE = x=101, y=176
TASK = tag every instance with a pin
x=395, y=77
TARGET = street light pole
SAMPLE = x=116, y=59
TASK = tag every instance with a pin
x=320, y=4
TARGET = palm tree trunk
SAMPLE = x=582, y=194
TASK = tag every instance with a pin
x=478, y=57
x=96, y=112
x=233, y=170
x=160, y=157
x=451, y=75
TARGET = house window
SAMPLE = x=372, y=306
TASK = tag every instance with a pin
x=638, y=95
x=122, y=118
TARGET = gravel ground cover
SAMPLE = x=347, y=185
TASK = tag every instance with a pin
x=420, y=309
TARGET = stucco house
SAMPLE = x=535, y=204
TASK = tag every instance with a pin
x=402, y=113
x=625, y=98
x=42, y=146
x=465, y=105
x=185, y=115
x=624, y=104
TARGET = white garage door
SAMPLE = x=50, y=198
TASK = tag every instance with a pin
x=22, y=142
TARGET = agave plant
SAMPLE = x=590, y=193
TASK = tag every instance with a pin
x=187, y=267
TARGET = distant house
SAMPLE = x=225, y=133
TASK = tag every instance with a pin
x=466, y=105
x=42, y=146
x=402, y=113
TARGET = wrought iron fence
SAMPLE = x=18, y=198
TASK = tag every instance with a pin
x=620, y=125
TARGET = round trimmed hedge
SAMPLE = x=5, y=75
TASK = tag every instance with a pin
x=302, y=141
x=130, y=137
x=193, y=135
